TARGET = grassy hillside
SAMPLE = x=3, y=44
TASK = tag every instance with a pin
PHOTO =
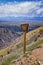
x=34, y=39
x=15, y=54
x=31, y=36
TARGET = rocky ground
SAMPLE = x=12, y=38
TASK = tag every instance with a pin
x=25, y=60
x=38, y=53
x=36, y=58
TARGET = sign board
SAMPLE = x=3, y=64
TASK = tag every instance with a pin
x=24, y=27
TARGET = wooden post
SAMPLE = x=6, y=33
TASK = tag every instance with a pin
x=24, y=42
x=24, y=28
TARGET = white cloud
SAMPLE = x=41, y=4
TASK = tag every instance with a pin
x=24, y=9
x=39, y=10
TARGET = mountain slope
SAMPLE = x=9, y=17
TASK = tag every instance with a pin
x=34, y=38
x=31, y=36
x=7, y=36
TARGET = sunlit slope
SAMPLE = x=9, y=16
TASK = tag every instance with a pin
x=31, y=33
x=16, y=49
x=38, y=52
x=19, y=41
x=6, y=50
x=7, y=59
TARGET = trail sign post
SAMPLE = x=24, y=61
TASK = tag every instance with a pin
x=24, y=28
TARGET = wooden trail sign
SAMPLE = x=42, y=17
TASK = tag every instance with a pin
x=24, y=28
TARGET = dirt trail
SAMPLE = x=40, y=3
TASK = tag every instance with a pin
x=38, y=53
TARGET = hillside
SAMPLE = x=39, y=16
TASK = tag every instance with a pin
x=7, y=36
x=9, y=33
x=14, y=51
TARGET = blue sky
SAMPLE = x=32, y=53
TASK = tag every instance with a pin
x=20, y=10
